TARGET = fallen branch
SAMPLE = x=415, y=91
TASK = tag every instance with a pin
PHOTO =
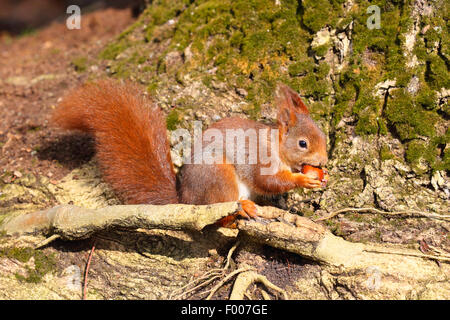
x=72, y=222
x=274, y=227
x=282, y=229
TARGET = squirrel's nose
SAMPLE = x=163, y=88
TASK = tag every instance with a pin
x=322, y=159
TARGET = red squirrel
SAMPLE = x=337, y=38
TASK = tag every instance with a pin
x=134, y=153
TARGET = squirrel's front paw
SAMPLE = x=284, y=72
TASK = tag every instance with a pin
x=304, y=181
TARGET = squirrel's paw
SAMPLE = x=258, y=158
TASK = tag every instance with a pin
x=248, y=211
x=305, y=181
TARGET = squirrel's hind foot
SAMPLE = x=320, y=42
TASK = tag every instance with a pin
x=248, y=212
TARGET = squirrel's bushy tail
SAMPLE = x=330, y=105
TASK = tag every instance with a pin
x=131, y=140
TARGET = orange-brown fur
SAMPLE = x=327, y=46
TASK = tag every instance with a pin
x=134, y=153
x=130, y=134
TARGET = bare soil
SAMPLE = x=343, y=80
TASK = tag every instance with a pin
x=36, y=70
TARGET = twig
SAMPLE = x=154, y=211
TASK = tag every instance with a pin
x=439, y=252
x=412, y=254
x=202, y=284
x=47, y=241
x=412, y=213
x=87, y=271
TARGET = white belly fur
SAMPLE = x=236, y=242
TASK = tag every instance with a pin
x=244, y=191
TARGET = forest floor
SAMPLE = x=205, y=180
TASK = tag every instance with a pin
x=37, y=69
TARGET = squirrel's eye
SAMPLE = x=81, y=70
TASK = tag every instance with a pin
x=302, y=144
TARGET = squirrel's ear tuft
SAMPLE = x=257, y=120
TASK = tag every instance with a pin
x=285, y=97
x=286, y=113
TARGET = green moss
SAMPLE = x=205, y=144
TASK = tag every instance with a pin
x=173, y=119
x=416, y=152
x=321, y=50
x=367, y=110
x=319, y=110
x=367, y=123
x=162, y=11
x=385, y=153
x=20, y=254
x=152, y=87
x=114, y=49
x=43, y=263
x=437, y=72
x=334, y=227
x=80, y=64
x=27, y=32
x=427, y=99
x=408, y=118
x=320, y=13
x=300, y=68
x=422, y=154
x=253, y=112
x=314, y=83
x=250, y=40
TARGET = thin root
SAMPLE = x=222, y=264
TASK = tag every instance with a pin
x=226, y=279
x=205, y=279
x=87, y=271
x=412, y=213
x=47, y=241
x=245, y=279
x=437, y=257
